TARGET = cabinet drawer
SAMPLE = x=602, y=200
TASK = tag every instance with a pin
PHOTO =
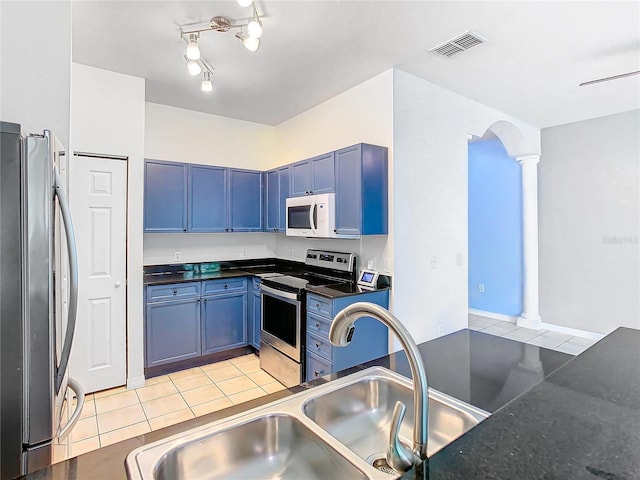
x=319, y=305
x=317, y=367
x=212, y=287
x=157, y=293
x=318, y=325
x=255, y=283
x=319, y=346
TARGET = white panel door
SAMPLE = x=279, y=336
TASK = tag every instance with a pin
x=98, y=198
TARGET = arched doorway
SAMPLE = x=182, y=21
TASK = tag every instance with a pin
x=517, y=148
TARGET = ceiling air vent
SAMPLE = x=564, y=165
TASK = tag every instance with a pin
x=458, y=44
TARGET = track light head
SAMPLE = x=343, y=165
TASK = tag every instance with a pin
x=245, y=3
x=194, y=67
x=206, y=86
x=193, y=50
x=254, y=28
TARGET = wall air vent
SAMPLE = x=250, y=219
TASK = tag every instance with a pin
x=458, y=44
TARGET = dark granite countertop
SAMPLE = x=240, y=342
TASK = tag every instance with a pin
x=473, y=366
x=581, y=422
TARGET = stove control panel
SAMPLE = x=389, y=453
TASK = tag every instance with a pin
x=336, y=260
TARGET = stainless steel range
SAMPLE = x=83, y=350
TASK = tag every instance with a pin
x=283, y=326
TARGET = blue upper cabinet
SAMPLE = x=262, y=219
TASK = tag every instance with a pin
x=313, y=176
x=245, y=202
x=361, y=190
x=323, y=173
x=208, y=188
x=301, y=179
x=165, y=196
x=284, y=178
x=277, y=189
x=272, y=197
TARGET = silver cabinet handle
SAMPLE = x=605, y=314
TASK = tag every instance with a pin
x=75, y=416
x=118, y=284
x=73, y=279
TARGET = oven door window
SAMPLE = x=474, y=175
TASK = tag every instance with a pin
x=279, y=318
x=298, y=217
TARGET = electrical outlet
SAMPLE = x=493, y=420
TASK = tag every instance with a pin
x=371, y=264
x=434, y=262
x=291, y=252
x=440, y=328
x=176, y=256
x=244, y=253
x=481, y=287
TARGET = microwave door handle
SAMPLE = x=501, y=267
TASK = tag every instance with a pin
x=73, y=279
x=312, y=215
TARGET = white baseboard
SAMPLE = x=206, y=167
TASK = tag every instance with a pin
x=496, y=316
x=135, y=382
x=575, y=332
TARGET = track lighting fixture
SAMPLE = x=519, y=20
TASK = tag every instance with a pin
x=191, y=35
x=206, y=85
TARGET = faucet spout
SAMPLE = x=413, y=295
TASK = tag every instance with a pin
x=340, y=333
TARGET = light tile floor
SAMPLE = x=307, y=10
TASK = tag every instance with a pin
x=114, y=415
x=542, y=338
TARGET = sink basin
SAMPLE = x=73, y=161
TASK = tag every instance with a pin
x=332, y=431
x=271, y=446
x=359, y=416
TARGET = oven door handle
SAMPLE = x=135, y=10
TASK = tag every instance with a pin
x=274, y=292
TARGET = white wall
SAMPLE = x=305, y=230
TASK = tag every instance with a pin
x=430, y=127
x=364, y=114
x=180, y=135
x=107, y=116
x=589, y=182
x=35, y=66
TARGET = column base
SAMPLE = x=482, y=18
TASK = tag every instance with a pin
x=529, y=321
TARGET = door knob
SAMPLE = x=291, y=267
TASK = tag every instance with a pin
x=118, y=284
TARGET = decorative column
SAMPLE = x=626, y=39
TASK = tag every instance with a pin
x=530, y=316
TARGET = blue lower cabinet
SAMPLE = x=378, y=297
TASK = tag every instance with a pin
x=172, y=331
x=317, y=366
x=370, y=339
x=224, y=322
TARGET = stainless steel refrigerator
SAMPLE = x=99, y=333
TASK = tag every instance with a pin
x=38, y=283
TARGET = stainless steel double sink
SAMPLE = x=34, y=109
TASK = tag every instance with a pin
x=336, y=430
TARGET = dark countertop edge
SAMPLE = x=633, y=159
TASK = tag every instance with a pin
x=122, y=449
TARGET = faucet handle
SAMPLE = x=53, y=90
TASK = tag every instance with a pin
x=399, y=456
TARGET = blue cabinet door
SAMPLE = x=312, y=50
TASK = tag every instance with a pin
x=349, y=190
x=284, y=177
x=224, y=322
x=245, y=200
x=165, y=196
x=207, y=199
x=172, y=331
x=272, y=196
x=323, y=174
x=301, y=179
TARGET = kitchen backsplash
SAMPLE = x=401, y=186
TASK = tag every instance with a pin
x=161, y=249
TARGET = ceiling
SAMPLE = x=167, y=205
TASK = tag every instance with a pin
x=535, y=55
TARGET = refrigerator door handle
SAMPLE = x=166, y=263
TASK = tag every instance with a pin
x=75, y=416
x=73, y=279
